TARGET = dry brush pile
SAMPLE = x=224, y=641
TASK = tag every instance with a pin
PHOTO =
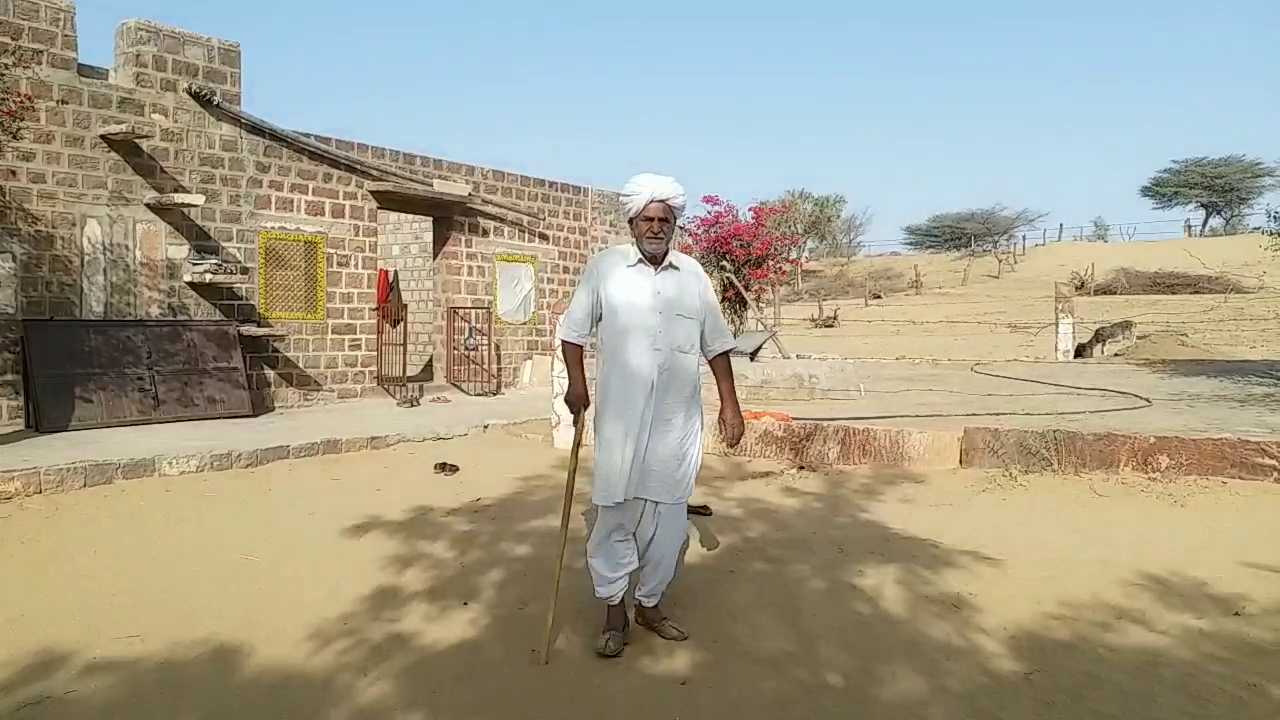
x=846, y=281
x=1131, y=281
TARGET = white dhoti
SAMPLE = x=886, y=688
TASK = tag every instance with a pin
x=636, y=535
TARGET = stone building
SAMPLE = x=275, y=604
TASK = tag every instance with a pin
x=131, y=168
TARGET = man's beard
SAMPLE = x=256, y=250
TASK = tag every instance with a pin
x=653, y=247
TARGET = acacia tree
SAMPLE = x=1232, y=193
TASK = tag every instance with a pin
x=976, y=229
x=1225, y=187
x=17, y=107
x=726, y=240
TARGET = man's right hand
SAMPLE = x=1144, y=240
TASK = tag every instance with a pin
x=576, y=398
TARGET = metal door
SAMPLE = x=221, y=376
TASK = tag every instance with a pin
x=103, y=373
x=470, y=362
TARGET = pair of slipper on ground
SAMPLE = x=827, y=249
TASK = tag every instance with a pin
x=413, y=401
x=613, y=642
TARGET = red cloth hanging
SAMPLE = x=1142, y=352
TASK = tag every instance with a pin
x=384, y=287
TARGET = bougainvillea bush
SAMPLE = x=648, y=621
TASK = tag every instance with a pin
x=17, y=107
x=761, y=259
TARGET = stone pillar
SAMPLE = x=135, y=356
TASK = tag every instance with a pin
x=561, y=418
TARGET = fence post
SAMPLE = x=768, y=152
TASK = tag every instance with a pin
x=1059, y=232
x=1064, y=321
x=969, y=265
x=561, y=418
x=1044, y=236
x=866, y=289
x=918, y=282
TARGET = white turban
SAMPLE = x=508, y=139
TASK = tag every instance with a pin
x=647, y=188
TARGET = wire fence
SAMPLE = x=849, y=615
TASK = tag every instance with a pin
x=1209, y=304
x=1024, y=328
x=1142, y=231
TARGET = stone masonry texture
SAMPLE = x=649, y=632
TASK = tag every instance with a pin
x=76, y=240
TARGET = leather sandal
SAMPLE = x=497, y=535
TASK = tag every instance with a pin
x=665, y=629
x=613, y=642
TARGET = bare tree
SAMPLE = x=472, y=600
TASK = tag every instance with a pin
x=853, y=227
x=1101, y=230
x=823, y=223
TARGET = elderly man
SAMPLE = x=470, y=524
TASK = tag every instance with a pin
x=654, y=314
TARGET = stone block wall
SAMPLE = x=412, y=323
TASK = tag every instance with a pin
x=150, y=56
x=450, y=261
x=77, y=241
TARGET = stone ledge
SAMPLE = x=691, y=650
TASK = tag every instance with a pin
x=840, y=444
x=1033, y=450
x=1067, y=451
x=53, y=479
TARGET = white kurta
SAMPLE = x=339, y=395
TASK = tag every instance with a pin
x=651, y=327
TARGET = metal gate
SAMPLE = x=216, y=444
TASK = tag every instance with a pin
x=105, y=373
x=393, y=349
x=470, y=363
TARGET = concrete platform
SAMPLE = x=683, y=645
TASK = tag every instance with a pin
x=1171, y=419
x=1187, y=398
x=33, y=464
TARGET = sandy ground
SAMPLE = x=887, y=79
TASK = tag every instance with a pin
x=1011, y=317
x=363, y=586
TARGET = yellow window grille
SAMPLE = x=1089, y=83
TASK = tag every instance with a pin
x=290, y=276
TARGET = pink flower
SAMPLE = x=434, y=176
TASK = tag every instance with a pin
x=759, y=257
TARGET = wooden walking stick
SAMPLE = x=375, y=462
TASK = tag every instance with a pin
x=565, y=513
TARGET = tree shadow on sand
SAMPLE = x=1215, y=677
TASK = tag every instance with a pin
x=785, y=625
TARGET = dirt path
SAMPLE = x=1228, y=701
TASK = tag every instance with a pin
x=363, y=586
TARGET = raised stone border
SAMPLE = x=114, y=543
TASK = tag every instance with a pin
x=1032, y=450
x=840, y=444
x=1069, y=451
x=51, y=479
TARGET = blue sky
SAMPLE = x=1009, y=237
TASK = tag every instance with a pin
x=906, y=107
